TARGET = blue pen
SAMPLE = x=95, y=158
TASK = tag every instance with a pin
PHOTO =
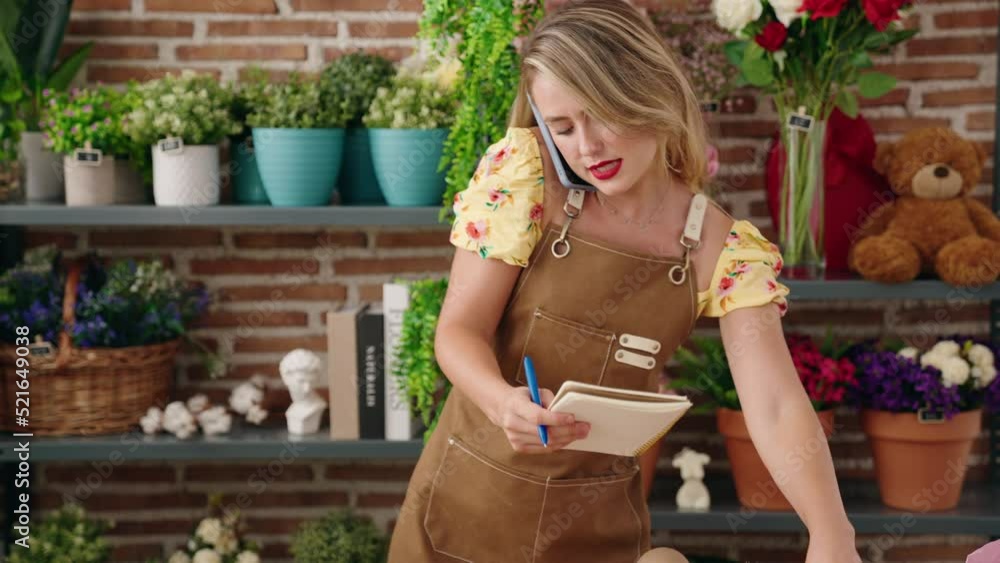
x=529, y=373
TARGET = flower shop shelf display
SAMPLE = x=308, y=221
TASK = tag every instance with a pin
x=182, y=119
x=298, y=139
x=409, y=122
x=826, y=375
x=85, y=127
x=104, y=338
x=809, y=56
x=922, y=410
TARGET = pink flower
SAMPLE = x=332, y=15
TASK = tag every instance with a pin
x=476, y=230
x=536, y=212
x=726, y=286
x=733, y=238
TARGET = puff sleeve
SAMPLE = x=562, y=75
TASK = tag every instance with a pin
x=746, y=274
x=499, y=214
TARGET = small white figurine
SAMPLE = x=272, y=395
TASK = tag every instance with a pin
x=693, y=495
x=300, y=371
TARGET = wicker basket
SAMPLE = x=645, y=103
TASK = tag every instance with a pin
x=87, y=391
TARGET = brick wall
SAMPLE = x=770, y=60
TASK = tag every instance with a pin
x=947, y=77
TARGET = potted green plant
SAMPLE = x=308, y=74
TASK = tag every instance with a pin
x=244, y=176
x=11, y=127
x=408, y=124
x=340, y=536
x=922, y=410
x=356, y=77
x=85, y=126
x=414, y=364
x=183, y=118
x=825, y=372
x=66, y=534
x=298, y=138
x=36, y=36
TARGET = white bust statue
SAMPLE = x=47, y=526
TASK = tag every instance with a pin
x=300, y=372
x=693, y=495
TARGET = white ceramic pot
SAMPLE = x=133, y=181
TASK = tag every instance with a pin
x=129, y=189
x=44, y=169
x=187, y=176
x=87, y=184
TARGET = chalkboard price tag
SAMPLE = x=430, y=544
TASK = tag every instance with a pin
x=88, y=157
x=171, y=145
x=710, y=107
x=930, y=417
x=800, y=121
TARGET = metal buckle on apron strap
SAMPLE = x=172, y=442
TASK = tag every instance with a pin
x=692, y=232
x=572, y=207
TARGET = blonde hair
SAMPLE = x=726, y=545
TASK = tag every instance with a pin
x=611, y=57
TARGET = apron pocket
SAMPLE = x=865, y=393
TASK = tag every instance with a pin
x=481, y=511
x=596, y=518
x=562, y=349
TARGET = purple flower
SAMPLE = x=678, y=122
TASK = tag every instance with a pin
x=888, y=382
x=93, y=126
x=47, y=92
x=69, y=112
x=88, y=108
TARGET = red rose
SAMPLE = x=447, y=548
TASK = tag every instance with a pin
x=772, y=37
x=882, y=12
x=823, y=8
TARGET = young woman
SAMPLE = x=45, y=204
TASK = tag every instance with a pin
x=601, y=287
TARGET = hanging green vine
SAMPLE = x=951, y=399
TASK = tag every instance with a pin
x=483, y=32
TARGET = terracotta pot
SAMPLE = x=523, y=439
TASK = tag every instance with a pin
x=919, y=465
x=755, y=487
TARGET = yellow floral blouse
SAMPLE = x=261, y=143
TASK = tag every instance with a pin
x=499, y=216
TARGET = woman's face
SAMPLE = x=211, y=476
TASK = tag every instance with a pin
x=611, y=162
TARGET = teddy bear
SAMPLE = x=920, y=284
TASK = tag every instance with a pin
x=932, y=225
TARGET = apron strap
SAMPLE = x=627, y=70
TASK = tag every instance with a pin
x=573, y=207
x=691, y=237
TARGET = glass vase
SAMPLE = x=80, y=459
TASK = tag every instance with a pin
x=801, y=225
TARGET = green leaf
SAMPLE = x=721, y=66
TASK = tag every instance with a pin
x=63, y=74
x=734, y=51
x=848, y=103
x=861, y=60
x=875, y=84
x=37, y=52
x=753, y=52
x=758, y=72
x=876, y=40
x=900, y=36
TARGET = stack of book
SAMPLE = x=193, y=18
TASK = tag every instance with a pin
x=366, y=401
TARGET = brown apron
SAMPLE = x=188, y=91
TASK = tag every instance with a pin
x=583, y=310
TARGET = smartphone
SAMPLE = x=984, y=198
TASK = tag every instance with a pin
x=568, y=178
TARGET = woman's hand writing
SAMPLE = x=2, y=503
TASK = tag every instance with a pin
x=519, y=418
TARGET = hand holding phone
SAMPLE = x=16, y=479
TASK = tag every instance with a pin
x=567, y=177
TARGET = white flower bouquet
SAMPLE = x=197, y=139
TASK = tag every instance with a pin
x=218, y=539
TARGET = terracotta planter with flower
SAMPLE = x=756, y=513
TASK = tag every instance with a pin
x=922, y=412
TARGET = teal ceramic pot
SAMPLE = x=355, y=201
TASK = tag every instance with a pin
x=357, y=183
x=299, y=167
x=406, y=162
x=248, y=189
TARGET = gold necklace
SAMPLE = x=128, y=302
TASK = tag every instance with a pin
x=641, y=225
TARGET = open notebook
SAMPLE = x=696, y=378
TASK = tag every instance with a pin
x=622, y=421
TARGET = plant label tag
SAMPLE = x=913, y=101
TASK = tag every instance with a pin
x=800, y=121
x=710, y=107
x=930, y=417
x=88, y=157
x=41, y=348
x=171, y=145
